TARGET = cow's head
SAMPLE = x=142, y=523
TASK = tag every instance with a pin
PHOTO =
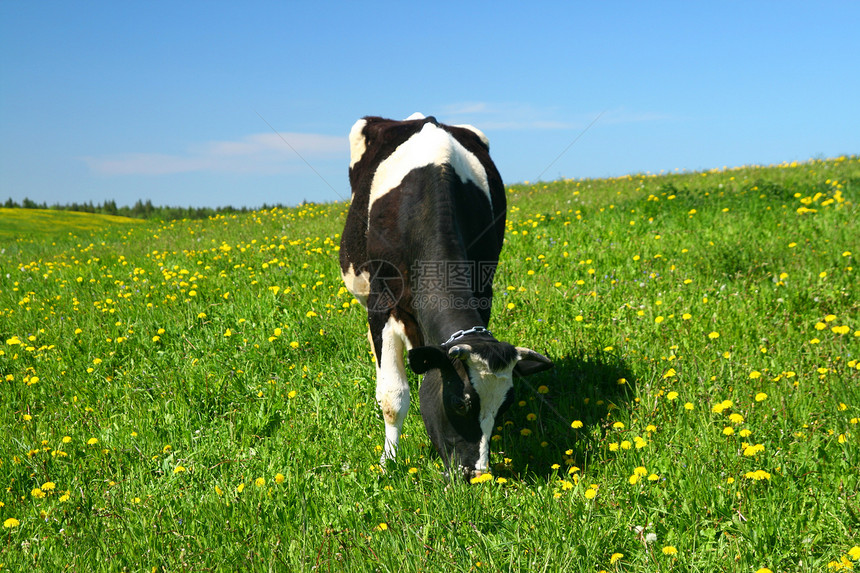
x=465, y=387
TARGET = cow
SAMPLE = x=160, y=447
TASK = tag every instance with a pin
x=419, y=250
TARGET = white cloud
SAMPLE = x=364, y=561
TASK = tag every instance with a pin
x=256, y=153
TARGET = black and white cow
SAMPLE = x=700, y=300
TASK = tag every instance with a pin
x=419, y=251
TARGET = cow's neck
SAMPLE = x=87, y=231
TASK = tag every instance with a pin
x=439, y=324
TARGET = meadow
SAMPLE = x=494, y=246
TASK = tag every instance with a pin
x=198, y=395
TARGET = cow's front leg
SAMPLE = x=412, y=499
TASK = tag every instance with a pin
x=392, y=386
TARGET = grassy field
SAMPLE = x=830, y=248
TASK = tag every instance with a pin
x=31, y=225
x=199, y=395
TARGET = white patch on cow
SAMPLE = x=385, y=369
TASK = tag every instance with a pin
x=430, y=146
x=357, y=284
x=416, y=115
x=357, y=143
x=392, y=386
x=484, y=139
x=492, y=388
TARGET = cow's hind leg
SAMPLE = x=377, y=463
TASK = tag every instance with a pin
x=392, y=386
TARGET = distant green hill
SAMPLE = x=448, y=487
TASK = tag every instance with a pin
x=27, y=224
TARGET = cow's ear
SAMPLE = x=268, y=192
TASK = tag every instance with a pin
x=530, y=362
x=426, y=358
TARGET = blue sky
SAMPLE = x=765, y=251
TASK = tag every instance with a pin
x=173, y=101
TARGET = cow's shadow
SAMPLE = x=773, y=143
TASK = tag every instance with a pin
x=582, y=387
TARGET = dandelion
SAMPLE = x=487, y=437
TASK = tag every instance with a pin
x=240, y=488
x=670, y=550
x=736, y=418
x=713, y=335
x=750, y=451
x=11, y=522
x=669, y=373
x=279, y=478
x=615, y=556
x=576, y=424
x=764, y=570
x=618, y=425
x=543, y=389
x=219, y=491
x=755, y=374
x=728, y=431
x=689, y=406
x=92, y=441
x=760, y=397
x=757, y=475
x=48, y=486
x=590, y=493
x=482, y=478
x=260, y=482
x=525, y=432
x=178, y=469
x=672, y=395
x=37, y=493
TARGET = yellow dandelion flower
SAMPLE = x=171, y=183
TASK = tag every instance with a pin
x=750, y=451
x=260, y=482
x=279, y=478
x=615, y=557
x=618, y=425
x=92, y=441
x=240, y=488
x=219, y=491
x=482, y=478
x=672, y=395
x=736, y=418
x=525, y=432
x=669, y=550
x=178, y=469
x=713, y=335
x=11, y=522
x=542, y=389
x=576, y=424
x=755, y=374
x=760, y=397
x=728, y=431
x=382, y=526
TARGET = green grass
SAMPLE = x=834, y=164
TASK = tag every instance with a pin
x=199, y=395
x=32, y=225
